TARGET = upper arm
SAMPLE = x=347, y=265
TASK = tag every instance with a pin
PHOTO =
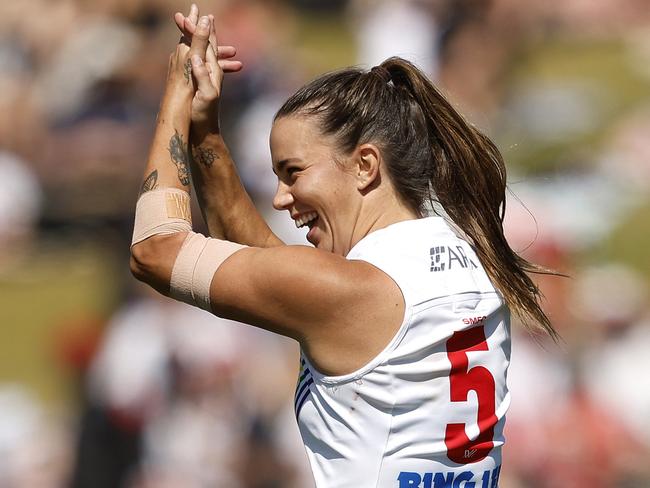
x=342, y=312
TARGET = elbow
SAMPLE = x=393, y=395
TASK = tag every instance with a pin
x=136, y=263
x=152, y=260
x=142, y=260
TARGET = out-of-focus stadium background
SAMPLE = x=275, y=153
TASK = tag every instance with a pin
x=104, y=384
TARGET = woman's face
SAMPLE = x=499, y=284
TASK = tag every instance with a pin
x=315, y=183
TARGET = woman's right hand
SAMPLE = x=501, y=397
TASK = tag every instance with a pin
x=187, y=26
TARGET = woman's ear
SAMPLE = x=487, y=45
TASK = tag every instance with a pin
x=367, y=167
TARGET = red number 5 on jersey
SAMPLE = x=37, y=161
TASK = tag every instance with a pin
x=460, y=449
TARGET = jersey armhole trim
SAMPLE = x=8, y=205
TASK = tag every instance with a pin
x=370, y=242
x=374, y=362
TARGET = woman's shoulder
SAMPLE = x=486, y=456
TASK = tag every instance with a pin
x=425, y=257
x=404, y=235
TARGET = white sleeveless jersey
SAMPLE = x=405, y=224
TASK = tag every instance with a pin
x=429, y=410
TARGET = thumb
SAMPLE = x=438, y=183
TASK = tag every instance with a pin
x=202, y=75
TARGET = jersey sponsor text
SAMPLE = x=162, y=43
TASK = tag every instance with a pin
x=444, y=258
x=464, y=479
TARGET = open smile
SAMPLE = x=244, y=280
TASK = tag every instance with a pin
x=308, y=219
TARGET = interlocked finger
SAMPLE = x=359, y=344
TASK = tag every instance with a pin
x=200, y=38
x=212, y=63
x=193, y=16
x=213, y=35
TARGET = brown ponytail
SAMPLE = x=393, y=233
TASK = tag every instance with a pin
x=434, y=157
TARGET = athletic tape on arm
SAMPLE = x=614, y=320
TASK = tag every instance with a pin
x=167, y=211
x=164, y=211
x=195, y=266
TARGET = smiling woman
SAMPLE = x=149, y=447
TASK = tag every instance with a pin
x=398, y=317
x=341, y=196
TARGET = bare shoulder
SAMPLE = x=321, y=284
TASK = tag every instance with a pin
x=342, y=312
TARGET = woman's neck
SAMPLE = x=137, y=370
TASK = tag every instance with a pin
x=378, y=213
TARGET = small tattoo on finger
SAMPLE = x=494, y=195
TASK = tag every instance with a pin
x=187, y=71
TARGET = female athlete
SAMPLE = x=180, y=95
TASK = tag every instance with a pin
x=401, y=308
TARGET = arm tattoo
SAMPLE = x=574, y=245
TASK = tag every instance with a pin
x=187, y=71
x=178, y=152
x=150, y=182
x=204, y=156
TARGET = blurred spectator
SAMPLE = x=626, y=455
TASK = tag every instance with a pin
x=386, y=28
x=614, y=299
x=20, y=202
x=177, y=390
x=32, y=447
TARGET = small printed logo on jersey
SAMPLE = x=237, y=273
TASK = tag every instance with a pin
x=474, y=320
x=437, y=262
x=470, y=452
x=444, y=258
x=464, y=479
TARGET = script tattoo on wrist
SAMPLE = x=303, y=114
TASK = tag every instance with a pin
x=178, y=152
x=204, y=156
x=187, y=71
x=150, y=182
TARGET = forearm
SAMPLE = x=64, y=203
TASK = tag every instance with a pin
x=168, y=162
x=227, y=209
x=167, y=168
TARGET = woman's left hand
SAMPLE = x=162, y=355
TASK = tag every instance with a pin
x=179, y=87
x=208, y=68
x=208, y=76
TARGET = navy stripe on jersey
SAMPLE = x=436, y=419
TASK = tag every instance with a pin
x=305, y=380
x=303, y=376
x=302, y=401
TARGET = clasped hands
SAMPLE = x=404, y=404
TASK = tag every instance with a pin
x=196, y=69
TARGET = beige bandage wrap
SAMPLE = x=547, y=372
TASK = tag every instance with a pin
x=167, y=211
x=164, y=211
x=195, y=266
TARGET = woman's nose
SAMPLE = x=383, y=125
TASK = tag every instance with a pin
x=283, y=198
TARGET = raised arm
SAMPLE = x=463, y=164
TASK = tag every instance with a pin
x=168, y=165
x=227, y=209
x=342, y=312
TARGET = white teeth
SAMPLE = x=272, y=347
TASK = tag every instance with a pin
x=304, y=219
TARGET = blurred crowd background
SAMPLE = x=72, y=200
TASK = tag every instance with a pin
x=105, y=384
